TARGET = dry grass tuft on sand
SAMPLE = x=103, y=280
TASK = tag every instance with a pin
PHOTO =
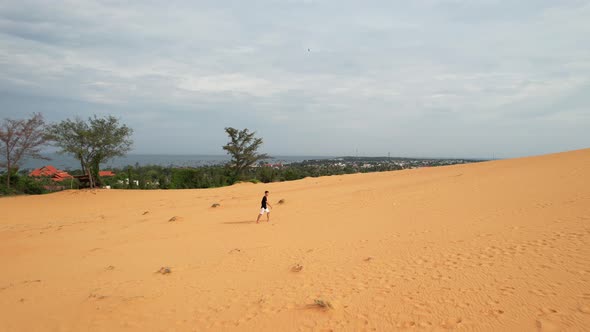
x=322, y=304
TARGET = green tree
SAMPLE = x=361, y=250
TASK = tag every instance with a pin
x=243, y=148
x=20, y=139
x=266, y=174
x=92, y=142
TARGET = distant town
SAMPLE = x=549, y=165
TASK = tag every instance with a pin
x=374, y=164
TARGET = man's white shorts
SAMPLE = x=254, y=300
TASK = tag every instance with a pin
x=262, y=210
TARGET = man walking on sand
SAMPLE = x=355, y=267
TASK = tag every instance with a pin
x=264, y=207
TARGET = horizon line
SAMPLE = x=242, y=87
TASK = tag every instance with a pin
x=274, y=156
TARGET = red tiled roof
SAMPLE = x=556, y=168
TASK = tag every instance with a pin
x=60, y=176
x=44, y=171
x=52, y=172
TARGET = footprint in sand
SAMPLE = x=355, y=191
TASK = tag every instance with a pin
x=495, y=312
x=547, y=311
x=546, y=325
x=97, y=296
x=425, y=324
x=29, y=281
x=407, y=324
x=451, y=323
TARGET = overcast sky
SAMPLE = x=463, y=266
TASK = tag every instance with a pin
x=463, y=78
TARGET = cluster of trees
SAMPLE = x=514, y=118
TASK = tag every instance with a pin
x=159, y=177
x=97, y=140
x=243, y=148
x=92, y=142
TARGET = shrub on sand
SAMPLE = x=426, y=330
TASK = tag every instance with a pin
x=322, y=304
x=296, y=268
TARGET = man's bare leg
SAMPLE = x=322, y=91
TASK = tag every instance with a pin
x=257, y=219
x=268, y=217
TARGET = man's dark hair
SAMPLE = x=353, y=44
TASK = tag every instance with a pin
x=266, y=192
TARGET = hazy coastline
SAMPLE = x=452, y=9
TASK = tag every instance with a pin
x=67, y=162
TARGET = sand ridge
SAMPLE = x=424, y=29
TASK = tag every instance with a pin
x=500, y=245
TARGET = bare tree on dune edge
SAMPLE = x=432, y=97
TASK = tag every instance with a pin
x=22, y=138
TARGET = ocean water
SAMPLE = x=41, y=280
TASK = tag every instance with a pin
x=67, y=162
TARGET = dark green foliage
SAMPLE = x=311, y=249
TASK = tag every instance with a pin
x=6, y=178
x=243, y=147
x=24, y=184
x=147, y=177
x=293, y=174
x=31, y=186
x=205, y=177
x=267, y=174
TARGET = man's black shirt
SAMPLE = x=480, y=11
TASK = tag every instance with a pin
x=264, y=202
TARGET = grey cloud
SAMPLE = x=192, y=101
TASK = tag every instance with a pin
x=438, y=76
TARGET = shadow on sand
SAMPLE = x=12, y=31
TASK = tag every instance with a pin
x=239, y=222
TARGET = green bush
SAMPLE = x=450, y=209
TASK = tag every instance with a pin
x=267, y=174
x=24, y=184
x=204, y=177
x=31, y=186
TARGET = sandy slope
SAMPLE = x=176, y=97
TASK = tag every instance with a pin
x=501, y=245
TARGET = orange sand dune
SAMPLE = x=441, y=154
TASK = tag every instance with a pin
x=502, y=245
